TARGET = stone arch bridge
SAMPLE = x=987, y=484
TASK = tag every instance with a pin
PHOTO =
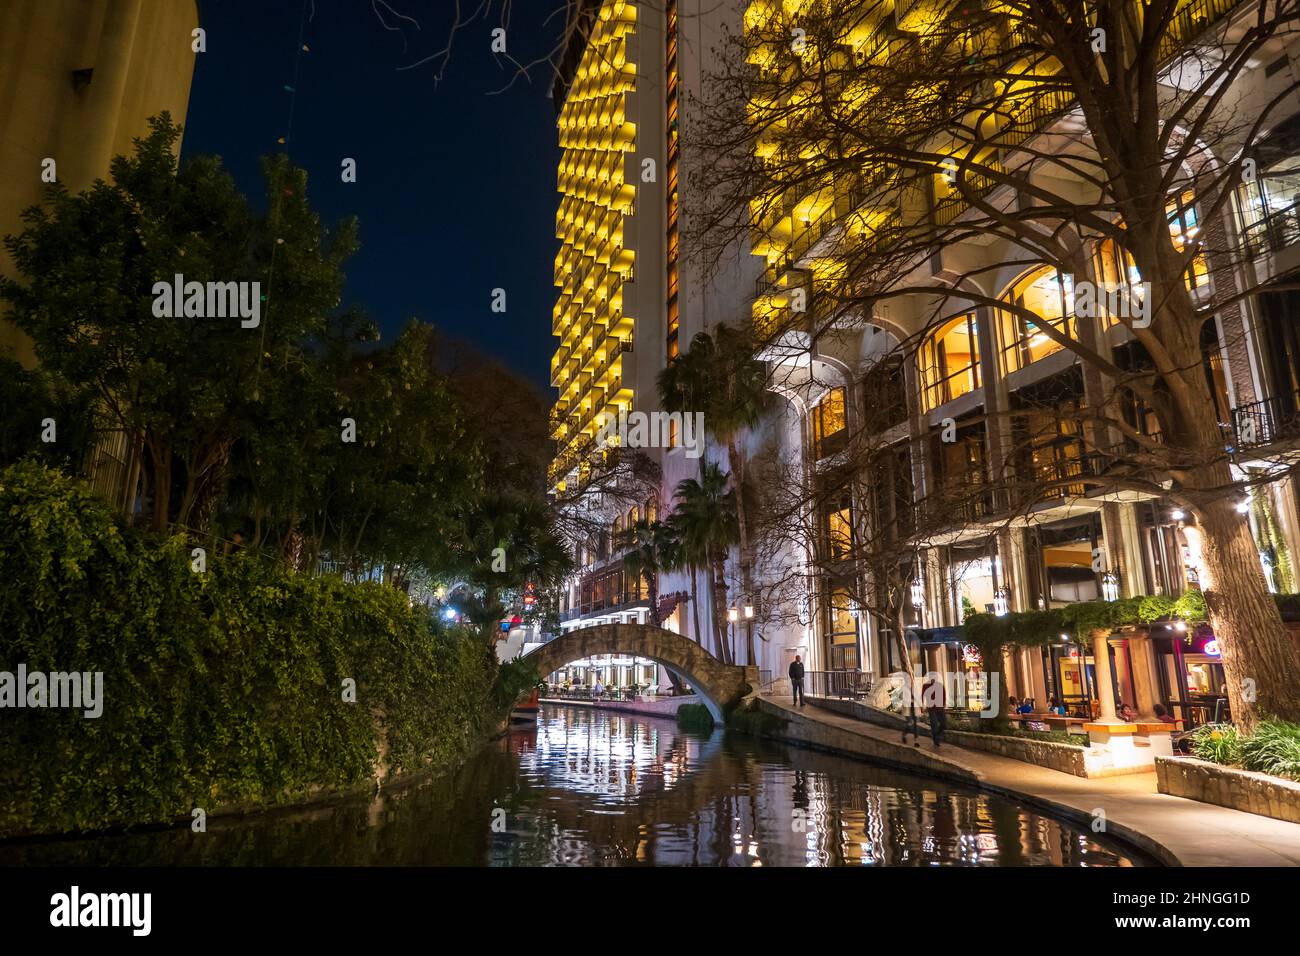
x=719, y=685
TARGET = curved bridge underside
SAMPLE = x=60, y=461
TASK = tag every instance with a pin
x=719, y=685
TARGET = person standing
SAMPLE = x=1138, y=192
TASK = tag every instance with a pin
x=796, y=680
x=932, y=695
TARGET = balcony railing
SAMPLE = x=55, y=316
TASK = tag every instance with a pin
x=977, y=186
x=848, y=683
x=1267, y=421
x=1273, y=233
x=1192, y=20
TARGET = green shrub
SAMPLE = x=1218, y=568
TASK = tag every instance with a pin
x=694, y=717
x=1217, y=743
x=749, y=719
x=219, y=688
x=1273, y=748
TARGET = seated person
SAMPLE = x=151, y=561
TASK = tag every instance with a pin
x=1014, y=704
x=1125, y=712
x=1026, y=707
x=1163, y=715
x=1056, y=707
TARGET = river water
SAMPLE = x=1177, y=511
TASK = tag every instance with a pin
x=596, y=788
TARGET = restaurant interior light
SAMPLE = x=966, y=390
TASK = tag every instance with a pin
x=1178, y=514
x=1110, y=586
x=1000, y=603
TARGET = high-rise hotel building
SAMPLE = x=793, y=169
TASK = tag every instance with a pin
x=625, y=303
x=609, y=268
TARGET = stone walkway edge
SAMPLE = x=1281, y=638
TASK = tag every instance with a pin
x=1173, y=830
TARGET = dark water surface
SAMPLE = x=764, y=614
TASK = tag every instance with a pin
x=597, y=788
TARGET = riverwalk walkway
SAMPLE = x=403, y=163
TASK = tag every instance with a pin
x=1175, y=830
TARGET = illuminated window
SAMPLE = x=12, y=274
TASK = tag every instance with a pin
x=829, y=423
x=839, y=530
x=1115, y=269
x=1047, y=294
x=1185, y=227
x=950, y=361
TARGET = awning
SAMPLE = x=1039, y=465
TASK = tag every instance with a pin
x=937, y=635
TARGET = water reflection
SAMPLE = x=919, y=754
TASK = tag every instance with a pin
x=593, y=788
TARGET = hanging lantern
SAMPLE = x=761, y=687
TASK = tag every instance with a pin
x=918, y=594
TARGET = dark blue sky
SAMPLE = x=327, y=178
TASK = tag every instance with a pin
x=455, y=188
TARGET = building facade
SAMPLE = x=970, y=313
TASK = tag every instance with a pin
x=970, y=415
x=79, y=80
x=627, y=303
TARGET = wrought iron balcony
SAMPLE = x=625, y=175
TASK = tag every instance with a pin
x=1267, y=422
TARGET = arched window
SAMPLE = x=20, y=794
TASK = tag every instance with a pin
x=652, y=509
x=1049, y=296
x=829, y=421
x=950, y=361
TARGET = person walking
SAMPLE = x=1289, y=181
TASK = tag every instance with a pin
x=796, y=681
x=910, y=724
x=932, y=696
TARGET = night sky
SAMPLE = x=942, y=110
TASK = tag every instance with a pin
x=455, y=188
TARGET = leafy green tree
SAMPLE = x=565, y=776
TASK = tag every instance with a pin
x=183, y=389
x=31, y=396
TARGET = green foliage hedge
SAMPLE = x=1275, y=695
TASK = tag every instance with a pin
x=749, y=719
x=220, y=688
x=1273, y=747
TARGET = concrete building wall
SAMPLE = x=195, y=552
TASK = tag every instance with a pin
x=78, y=81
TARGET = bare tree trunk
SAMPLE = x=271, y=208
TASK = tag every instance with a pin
x=1258, y=657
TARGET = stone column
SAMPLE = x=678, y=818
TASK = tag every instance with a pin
x=1142, y=658
x=1105, y=685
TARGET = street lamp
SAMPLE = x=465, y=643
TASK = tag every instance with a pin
x=1110, y=586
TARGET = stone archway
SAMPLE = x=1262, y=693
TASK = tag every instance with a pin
x=719, y=685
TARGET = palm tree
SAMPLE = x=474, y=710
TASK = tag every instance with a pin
x=706, y=525
x=683, y=556
x=650, y=551
x=719, y=376
x=652, y=548
x=514, y=542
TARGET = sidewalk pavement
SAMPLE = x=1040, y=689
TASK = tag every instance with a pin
x=1177, y=830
